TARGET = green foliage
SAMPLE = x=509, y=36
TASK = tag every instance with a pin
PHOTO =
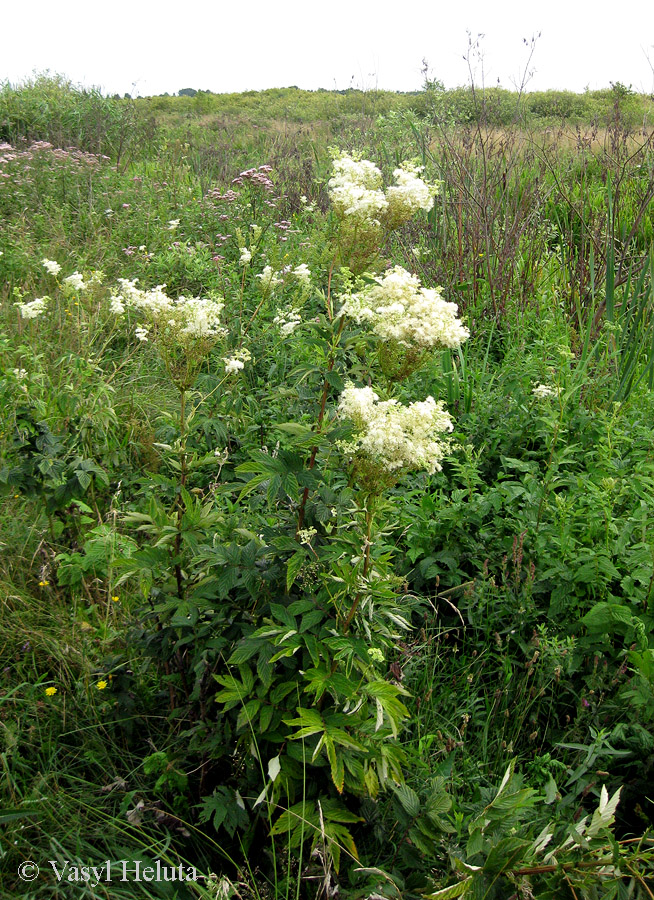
x=262, y=649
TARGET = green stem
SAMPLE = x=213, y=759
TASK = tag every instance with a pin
x=321, y=416
x=180, y=501
x=366, y=563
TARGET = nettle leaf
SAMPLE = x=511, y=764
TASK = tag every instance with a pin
x=409, y=800
x=606, y=616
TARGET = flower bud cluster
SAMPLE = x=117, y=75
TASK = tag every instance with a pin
x=237, y=362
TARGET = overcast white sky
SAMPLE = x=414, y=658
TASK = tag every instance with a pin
x=145, y=47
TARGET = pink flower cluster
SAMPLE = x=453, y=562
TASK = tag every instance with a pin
x=215, y=194
x=44, y=150
x=256, y=176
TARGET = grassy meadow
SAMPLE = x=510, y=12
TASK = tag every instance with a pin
x=311, y=583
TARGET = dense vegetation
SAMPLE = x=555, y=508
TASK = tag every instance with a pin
x=241, y=633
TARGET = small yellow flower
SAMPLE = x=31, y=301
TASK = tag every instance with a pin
x=16, y=496
x=115, y=598
x=101, y=685
x=43, y=583
x=50, y=692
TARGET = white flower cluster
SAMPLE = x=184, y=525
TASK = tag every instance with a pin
x=74, y=283
x=269, y=279
x=409, y=194
x=399, y=309
x=356, y=192
x=356, y=189
x=194, y=317
x=287, y=321
x=236, y=362
x=52, y=267
x=541, y=391
x=303, y=274
x=33, y=309
x=246, y=256
x=395, y=436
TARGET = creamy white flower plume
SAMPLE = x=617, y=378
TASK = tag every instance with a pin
x=287, y=321
x=74, y=283
x=397, y=308
x=184, y=317
x=409, y=194
x=541, y=391
x=269, y=279
x=393, y=436
x=355, y=189
x=303, y=274
x=53, y=267
x=34, y=308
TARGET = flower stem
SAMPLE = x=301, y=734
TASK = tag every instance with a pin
x=180, y=500
x=366, y=563
x=321, y=416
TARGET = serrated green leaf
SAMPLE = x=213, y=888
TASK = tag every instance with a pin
x=293, y=567
x=408, y=798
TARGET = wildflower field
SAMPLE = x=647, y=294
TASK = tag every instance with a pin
x=327, y=478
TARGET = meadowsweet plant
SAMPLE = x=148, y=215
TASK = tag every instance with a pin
x=263, y=572
x=33, y=309
x=184, y=329
x=73, y=284
x=237, y=362
x=51, y=266
x=366, y=212
x=408, y=195
x=269, y=280
x=408, y=318
x=390, y=438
